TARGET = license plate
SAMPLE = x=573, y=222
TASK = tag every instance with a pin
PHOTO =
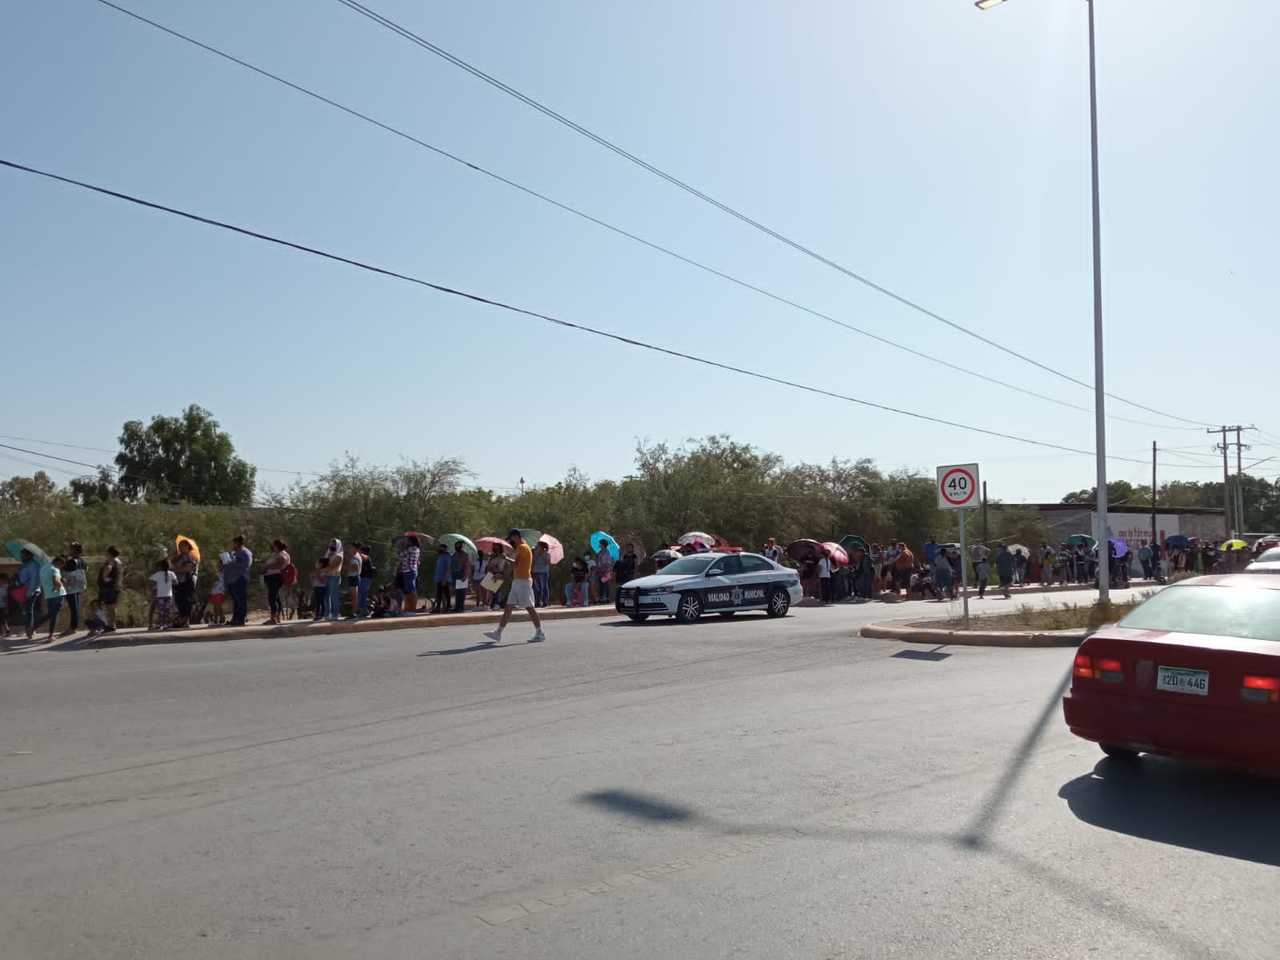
x=1180, y=680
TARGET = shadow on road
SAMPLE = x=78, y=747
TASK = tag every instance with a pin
x=654, y=810
x=1166, y=801
x=474, y=648
x=931, y=655
x=639, y=805
x=663, y=620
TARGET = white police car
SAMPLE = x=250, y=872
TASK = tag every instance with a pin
x=722, y=583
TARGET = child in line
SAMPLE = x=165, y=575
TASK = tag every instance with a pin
x=97, y=622
x=164, y=580
x=217, y=596
x=380, y=602
x=320, y=588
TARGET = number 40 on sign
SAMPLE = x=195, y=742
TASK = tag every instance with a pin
x=958, y=486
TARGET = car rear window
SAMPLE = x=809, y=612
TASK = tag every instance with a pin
x=1217, y=611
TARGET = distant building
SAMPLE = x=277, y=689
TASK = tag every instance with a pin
x=1132, y=524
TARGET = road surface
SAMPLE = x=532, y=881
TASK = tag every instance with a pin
x=739, y=788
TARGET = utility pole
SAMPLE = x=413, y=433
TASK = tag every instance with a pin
x=1233, y=515
x=1239, y=485
x=986, y=527
x=1155, y=543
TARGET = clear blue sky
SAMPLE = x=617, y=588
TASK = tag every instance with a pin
x=937, y=149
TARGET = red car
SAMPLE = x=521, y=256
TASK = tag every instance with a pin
x=1194, y=672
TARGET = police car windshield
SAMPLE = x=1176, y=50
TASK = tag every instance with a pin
x=686, y=567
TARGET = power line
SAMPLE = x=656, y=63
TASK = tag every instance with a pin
x=81, y=446
x=542, y=108
x=57, y=443
x=40, y=466
x=575, y=211
x=566, y=324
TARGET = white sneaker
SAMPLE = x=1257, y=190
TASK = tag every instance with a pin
x=494, y=636
x=538, y=637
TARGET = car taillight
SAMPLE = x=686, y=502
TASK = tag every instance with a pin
x=1261, y=689
x=1106, y=669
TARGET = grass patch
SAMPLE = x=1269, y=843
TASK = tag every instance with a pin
x=1066, y=616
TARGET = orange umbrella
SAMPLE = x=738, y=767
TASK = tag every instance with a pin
x=195, y=547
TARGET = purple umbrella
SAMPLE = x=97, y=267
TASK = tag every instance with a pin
x=1122, y=548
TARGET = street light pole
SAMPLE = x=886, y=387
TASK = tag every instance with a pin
x=1099, y=393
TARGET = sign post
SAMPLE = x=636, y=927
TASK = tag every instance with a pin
x=958, y=488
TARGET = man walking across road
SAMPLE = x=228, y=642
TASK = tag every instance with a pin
x=521, y=592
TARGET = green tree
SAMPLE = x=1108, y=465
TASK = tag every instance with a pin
x=186, y=458
x=1118, y=491
x=95, y=488
x=37, y=492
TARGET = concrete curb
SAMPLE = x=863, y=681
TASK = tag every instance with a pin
x=922, y=633
x=309, y=628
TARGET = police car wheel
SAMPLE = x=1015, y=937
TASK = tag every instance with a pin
x=779, y=603
x=638, y=617
x=689, y=608
x=728, y=613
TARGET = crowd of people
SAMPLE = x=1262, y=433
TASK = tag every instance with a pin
x=345, y=582
x=341, y=583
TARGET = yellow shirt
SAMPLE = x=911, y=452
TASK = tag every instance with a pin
x=524, y=562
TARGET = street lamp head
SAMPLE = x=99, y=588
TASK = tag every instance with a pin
x=987, y=4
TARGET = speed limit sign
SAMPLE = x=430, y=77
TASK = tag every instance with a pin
x=958, y=486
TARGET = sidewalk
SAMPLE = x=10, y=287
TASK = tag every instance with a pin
x=132, y=636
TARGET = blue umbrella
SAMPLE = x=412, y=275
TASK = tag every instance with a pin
x=1177, y=542
x=15, y=548
x=601, y=540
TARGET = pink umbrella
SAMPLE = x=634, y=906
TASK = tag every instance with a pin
x=487, y=545
x=554, y=547
x=836, y=553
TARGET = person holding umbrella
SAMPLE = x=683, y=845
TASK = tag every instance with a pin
x=29, y=587
x=185, y=565
x=602, y=574
x=521, y=592
x=460, y=569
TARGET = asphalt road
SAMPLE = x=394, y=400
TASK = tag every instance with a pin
x=740, y=788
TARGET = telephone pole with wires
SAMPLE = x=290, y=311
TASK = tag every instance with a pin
x=1232, y=501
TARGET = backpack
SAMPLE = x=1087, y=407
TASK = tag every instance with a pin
x=289, y=575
